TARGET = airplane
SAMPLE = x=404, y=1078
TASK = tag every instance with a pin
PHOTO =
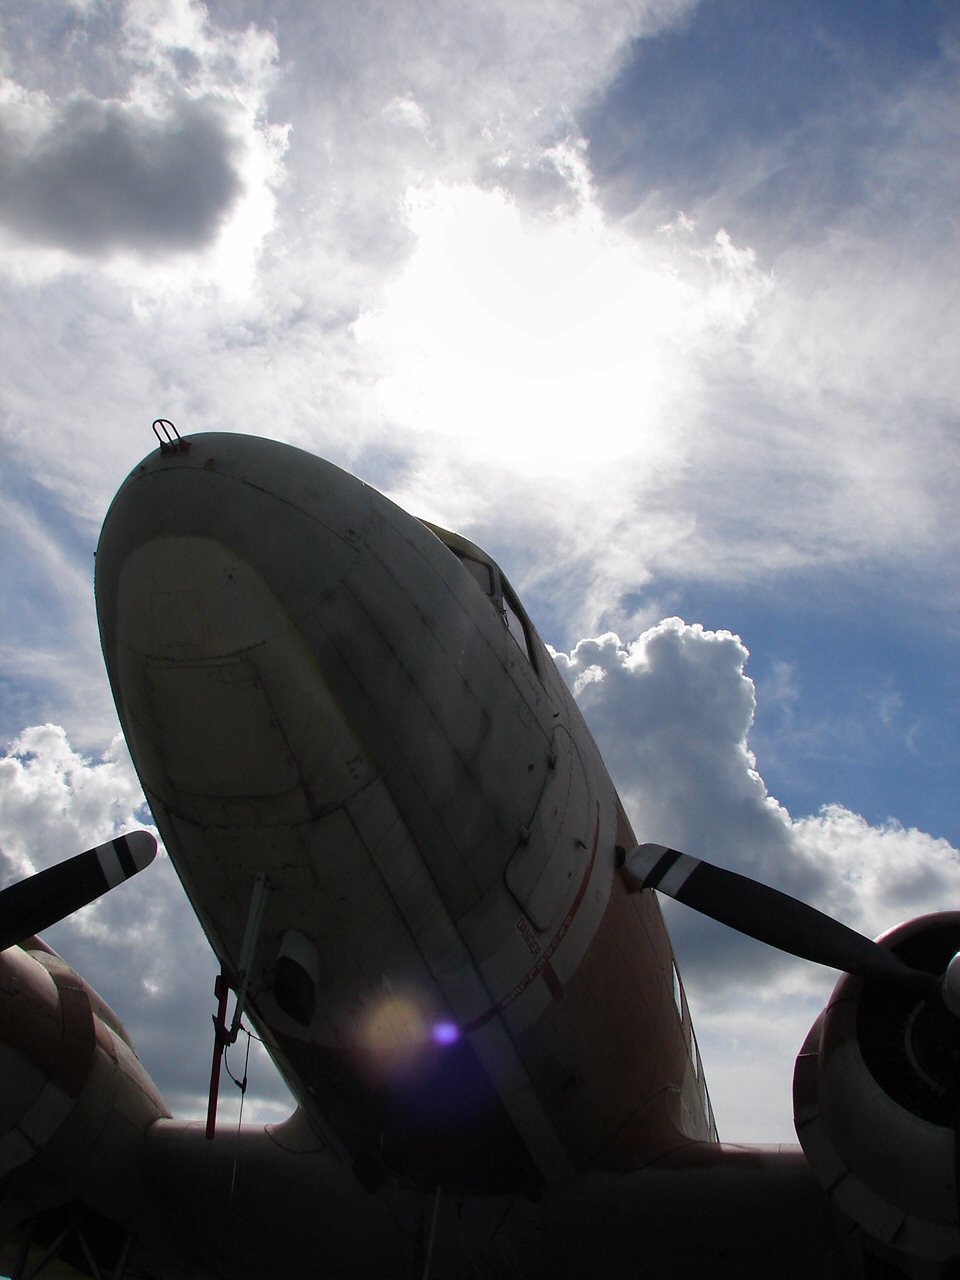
x=427, y=900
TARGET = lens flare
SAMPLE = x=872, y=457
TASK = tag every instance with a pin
x=394, y=1023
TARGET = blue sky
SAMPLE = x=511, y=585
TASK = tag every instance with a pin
x=875, y=731
x=655, y=301
x=739, y=82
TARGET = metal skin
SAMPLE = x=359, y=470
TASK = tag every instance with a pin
x=75, y=1103
x=493, y=1059
x=314, y=687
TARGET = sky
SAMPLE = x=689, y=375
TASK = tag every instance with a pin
x=654, y=300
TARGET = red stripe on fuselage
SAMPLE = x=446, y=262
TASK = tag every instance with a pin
x=543, y=962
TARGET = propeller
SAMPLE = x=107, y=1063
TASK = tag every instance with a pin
x=41, y=900
x=769, y=916
x=792, y=926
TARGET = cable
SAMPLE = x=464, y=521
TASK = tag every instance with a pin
x=243, y=1094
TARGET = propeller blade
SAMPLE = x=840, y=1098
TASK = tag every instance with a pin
x=41, y=900
x=767, y=915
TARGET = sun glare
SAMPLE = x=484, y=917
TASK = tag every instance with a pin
x=552, y=339
x=543, y=337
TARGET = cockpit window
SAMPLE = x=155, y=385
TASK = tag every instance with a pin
x=478, y=570
x=491, y=583
x=511, y=617
x=505, y=602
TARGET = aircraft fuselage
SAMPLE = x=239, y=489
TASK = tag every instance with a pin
x=321, y=691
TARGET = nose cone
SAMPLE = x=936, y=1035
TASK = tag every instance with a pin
x=209, y=562
x=192, y=539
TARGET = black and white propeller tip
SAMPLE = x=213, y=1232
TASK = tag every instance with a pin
x=769, y=916
x=49, y=896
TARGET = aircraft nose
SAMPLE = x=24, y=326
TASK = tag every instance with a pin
x=202, y=552
x=212, y=561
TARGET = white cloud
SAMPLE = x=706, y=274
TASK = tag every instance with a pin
x=631, y=400
x=877, y=876
x=672, y=712
x=57, y=802
x=549, y=342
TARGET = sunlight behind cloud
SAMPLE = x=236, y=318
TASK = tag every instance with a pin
x=549, y=340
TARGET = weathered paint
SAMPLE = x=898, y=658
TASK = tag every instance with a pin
x=312, y=685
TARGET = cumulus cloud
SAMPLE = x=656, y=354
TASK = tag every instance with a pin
x=57, y=802
x=672, y=712
x=106, y=175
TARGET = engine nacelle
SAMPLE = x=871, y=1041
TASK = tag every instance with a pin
x=875, y=1104
x=75, y=1101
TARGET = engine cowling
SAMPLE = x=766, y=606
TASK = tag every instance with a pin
x=75, y=1101
x=876, y=1095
